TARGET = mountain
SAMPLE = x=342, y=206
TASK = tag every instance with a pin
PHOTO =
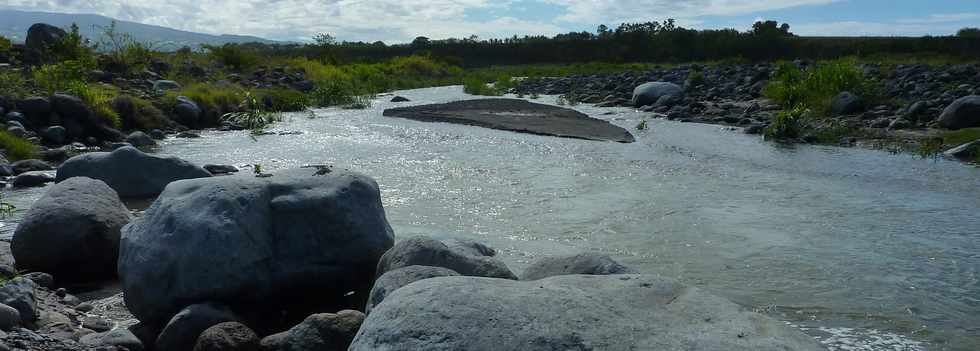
x=14, y=25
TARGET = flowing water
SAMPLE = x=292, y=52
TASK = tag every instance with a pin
x=864, y=249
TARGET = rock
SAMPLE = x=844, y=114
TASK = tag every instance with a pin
x=424, y=251
x=140, y=139
x=97, y=324
x=19, y=293
x=846, y=103
x=392, y=280
x=962, y=113
x=9, y=317
x=187, y=112
x=56, y=155
x=17, y=131
x=55, y=135
x=228, y=336
x=130, y=172
x=584, y=263
x=400, y=99
x=72, y=231
x=32, y=179
x=42, y=279
x=36, y=111
x=321, y=234
x=221, y=169
x=84, y=307
x=32, y=165
x=40, y=37
x=915, y=110
x=323, y=331
x=969, y=152
x=157, y=134
x=76, y=117
x=15, y=117
x=119, y=337
x=576, y=312
x=188, y=135
x=899, y=123
x=165, y=85
x=182, y=331
x=649, y=93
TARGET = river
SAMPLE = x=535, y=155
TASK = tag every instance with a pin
x=865, y=249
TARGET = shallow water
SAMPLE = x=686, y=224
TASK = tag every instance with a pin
x=865, y=249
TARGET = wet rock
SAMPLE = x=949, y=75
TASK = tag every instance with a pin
x=228, y=336
x=20, y=294
x=962, y=113
x=395, y=279
x=188, y=135
x=9, y=317
x=157, y=134
x=221, y=169
x=846, y=103
x=577, y=312
x=583, y=263
x=55, y=135
x=36, y=111
x=183, y=330
x=649, y=93
x=140, y=139
x=17, y=131
x=187, y=112
x=119, y=337
x=130, y=172
x=32, y=179
x=400, y=99
x=320, y=234
x=323, y=331
x=969, y=152
x=42, y=279
x=97, y=324
x=72, y=231
x=32, y=165
x=425, y=251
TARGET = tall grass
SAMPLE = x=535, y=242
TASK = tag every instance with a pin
x=138, y=114
x=13, y=85
x=61, y=76
x=98, y=98
x=16, y=148
x=251, y=114
x=814, y=88
x=789, y=124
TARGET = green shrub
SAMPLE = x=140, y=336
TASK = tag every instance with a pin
x=98, y=98
x=815, y=87
x=5, y=46
x=790, y=124
x=13, y=85
x=334, y=93
x=214, y=101
x=282, y=100
x=61, y=76
x=474, y=85
x=123, y=53
x=251, y=114
x=233, y=56
x=138, y=114
x=16, y=148
x=72, y=47
x=359, y=102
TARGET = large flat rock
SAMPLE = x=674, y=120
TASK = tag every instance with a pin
x=518, y=116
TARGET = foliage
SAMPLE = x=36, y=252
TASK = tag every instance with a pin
x=969, y=32
x=236, y=57
x=138, y=114
x=61, y=76
x=97, y=97
x=251, y=114
x=959, y=137
x=123, y=53
x=815, y=87
x=16, y=148
x=13, y=85
x=359, y=102
x=5, y=46
x=72, y=47
x=790, y=124
x=475, y=86
x=284, y=100
x=214, y=100
x=642, y=125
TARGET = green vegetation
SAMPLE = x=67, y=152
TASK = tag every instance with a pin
x=71, y=47
x=252, y=115
x=123, y=53
x=97, y=97
x=60, y=77
x=138, y=114
x=13, y=85
x=214, y=100
x=815, y=87
x=16, y=148
x=6, y=210
x=789, y=124
x=233, y=56
x=283, y=100
x=642, y=125
x=959, y=137
x=5, y=46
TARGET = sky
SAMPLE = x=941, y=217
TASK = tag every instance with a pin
x=395, y=21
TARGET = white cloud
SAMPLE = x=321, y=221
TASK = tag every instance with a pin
x=595, y=11
x=855, y=28
x=942, y=18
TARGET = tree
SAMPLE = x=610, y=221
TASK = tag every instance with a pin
x=420, y=41
x=969, y=33
x=771, y=29
x=324, y=39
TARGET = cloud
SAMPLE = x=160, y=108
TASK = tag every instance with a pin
x=593, y=11
x=857, y=28
x=942, y=18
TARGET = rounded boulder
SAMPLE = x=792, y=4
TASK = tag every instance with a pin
x=650, y=93
x=129, y=171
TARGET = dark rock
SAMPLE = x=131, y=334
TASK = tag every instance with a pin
x=15, y=117
x=185, y=327
x=400, y=99
x=157, y=134
x=649, y=93
x=9, y=317
x=36, y=110
x=20, y=293
x=130, y=172
x=899, y=123
x=320, y=234
x=323, y=331
x=962, y=113
x=424, y=251
x=40, y=37
x=140, y=139
x=32, y=179
x=584, y=263
x=97, y=324
x=56, y=155
x=72, y=231
x=17, y=131
x=42, y=279
x=846, y=103
x=576, y=312
x=55, y=135
x=228, y=336
x=188, y=135
x=24, y=166
x=187, y=112
x=305, y=86
x=119, y=337
x=392, y=280
x=969, y=152
x=221, y=169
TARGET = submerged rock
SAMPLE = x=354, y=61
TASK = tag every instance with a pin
x=130, y=172
x=319, y=234
x=425, y=251
x=579, y=312
x=32, y=179
x=583, y=263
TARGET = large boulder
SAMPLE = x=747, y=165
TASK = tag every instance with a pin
x=576, y=312
x=228, y=336
x=40, y=37
x=140, y=139
x=72, y=231
x=393, y=280
x=425, y=251
x=183, y=330
x=962, y=113
x=846, y=103
x=31, y=165
x=187, y=112
x=323, y=331
x=583, y=263
x=36, y=110
x=649, y=93
x=318, y=233
x=130, y=172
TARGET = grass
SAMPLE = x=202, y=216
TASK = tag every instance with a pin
x=138, y=114
x=61, y=76
x=281, y=99
x=97, y=97
x=6, y=210
x=789, y=124
x=17, y=148
x=214, y=100
x=814, y=88
x=959, y=137
x=252, y=115
x=13, y=85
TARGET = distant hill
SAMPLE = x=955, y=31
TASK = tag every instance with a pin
x=14, y=25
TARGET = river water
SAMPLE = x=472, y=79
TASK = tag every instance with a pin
x=864, y=249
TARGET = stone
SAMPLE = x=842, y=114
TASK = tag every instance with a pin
x=40, y=36
x=962, y=113
x=97, y=324
x=17, y=131
x=400, y=99
x=72, y=230
x=140, y=139
x=77, y=118
x=969, y=152
x=221, y=169
x=9, y=317
x=188, y=135
x=573, y=312
x=130, y=172
x=322, y=331
x=320, y=234
x=157, y=134
x=390, y=281
x=32, y=179
x=228, y=336
x=119, y=337
x=584, y=263
x=425, y=251
x=55, y=135
x=42, y=279
x=165, y=85
x=32, y=165
x=20, y=293
x=846, y=103
x=36, y=111
x=649, y=93
x=183, y=330
x=187, y=112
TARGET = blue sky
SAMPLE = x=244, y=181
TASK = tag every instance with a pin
x=401, y=20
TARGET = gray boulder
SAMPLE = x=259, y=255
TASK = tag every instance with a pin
x=140, y=139
x=962, y=113
x=400, y=99
x=42, y=35
x=182, y=331
x=649, y=93
x=9, y=317
x=24, y=166
x=393, y=280
x=221, y=169
x=17, y=131
x=323, y=331
x=583, y=263
x=228, y=336
x=187, y=112
x=577, y=312
x=157, y=134
x=20, y=293
x=36, y=111
x=119, y=337
x=56, y=135
x=319, y=234
x=32, y=179
x=846, y=103
x=425, y=251
x=130, y=172
x=968, y=152
x=72, y=231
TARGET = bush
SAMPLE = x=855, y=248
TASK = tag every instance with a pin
x=251, y=114
x=16, y=148
x=790, y=124
x=814, y=88
x=61, y=76
x=282, y=100
x=333, y=93
x=138, y=114
x=123, y=53
x=13, y=85
x=213, y=100
x=234, y=56
x=72, y=47
x=5, y=46
x=98, y=98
